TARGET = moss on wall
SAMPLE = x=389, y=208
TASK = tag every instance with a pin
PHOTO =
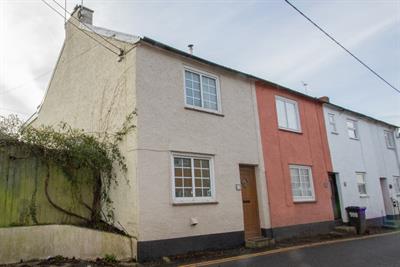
x=22, y=191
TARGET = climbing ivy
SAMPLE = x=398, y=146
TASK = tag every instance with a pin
x=73, y=149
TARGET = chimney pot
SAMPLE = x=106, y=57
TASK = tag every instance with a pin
x=191, y=48
x=83, y=14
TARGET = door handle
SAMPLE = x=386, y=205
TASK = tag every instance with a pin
x=246, y=201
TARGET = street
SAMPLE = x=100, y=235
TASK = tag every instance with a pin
x=375, y=251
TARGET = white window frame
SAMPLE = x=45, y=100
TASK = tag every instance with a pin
x=303, y=198
x=396, y=183
x=389, y=137
x=364, y=174
x=332, y=124
x=287, y=100
x=194, y=199
x=217, y=84
x=355, y=129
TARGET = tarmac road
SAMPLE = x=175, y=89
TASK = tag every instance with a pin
x=378, y=251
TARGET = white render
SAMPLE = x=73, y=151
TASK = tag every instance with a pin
x=165, y=126
x=368, y=154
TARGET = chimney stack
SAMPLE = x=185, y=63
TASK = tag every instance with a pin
x=324, y=99
x=83, y=14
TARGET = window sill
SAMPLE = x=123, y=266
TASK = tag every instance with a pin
x=195, y=203
x=364, y=196
x=290, y=130
x=205, y=111
x=304, y=201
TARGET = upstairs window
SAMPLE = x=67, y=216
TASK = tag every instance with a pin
x=352, y=129
x=201, y=91
x=389, y=138
x=332, y=123
x=288, y=114
x=361, y=183
x=302, y=183
x=192, y=178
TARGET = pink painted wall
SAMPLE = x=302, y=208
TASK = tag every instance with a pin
x=282, y=148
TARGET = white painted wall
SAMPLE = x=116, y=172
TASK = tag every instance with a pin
x=164, y=125
x=369, y=154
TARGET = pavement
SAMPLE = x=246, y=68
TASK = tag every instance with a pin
x=371, y=251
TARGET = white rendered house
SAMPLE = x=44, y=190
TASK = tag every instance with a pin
x=365, y=158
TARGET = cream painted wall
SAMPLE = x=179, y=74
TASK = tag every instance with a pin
x=91, y=90
x=165, y=125
x=369, y=154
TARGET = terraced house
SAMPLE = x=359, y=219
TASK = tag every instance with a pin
x=217, y=157
x=195, y=151
x=366, y=166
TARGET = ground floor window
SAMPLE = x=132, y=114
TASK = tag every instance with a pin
x=302, y=183
x=193, y=178
x=396, y=180
x=361, y=183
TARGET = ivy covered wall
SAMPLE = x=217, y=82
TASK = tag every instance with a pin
x=23, y=199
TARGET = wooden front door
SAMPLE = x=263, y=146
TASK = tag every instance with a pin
x=250, y=203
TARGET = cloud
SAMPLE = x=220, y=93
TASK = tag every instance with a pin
x=267, y=39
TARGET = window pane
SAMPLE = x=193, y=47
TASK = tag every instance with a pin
x=186, y=163
x=178, y=183
x=192, y=87
x=389, y=139
x=294, y=172
x=209, y=93
x=207, y=192
x=197, y=183
x=178, y=162
x=187, y=182
x=205, y=164
x=199, y=193
x=178, y=192
x=205, y=173
x=332, y=122
x=280, y=109
x=304, y=172
x=350, y=124
x=291, y=116
x=188, y=192
x=352, y=133
x=197, y=173
x=197, y=163
x=187, y=172
x=362, y=189
x=360, y=178
x=178, y=172
x=397, y=184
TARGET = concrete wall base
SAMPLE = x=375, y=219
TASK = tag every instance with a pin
x=300, y=230
x=149, y=250
x=44, y=241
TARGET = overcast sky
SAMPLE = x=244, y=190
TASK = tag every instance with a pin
x=264, y=38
